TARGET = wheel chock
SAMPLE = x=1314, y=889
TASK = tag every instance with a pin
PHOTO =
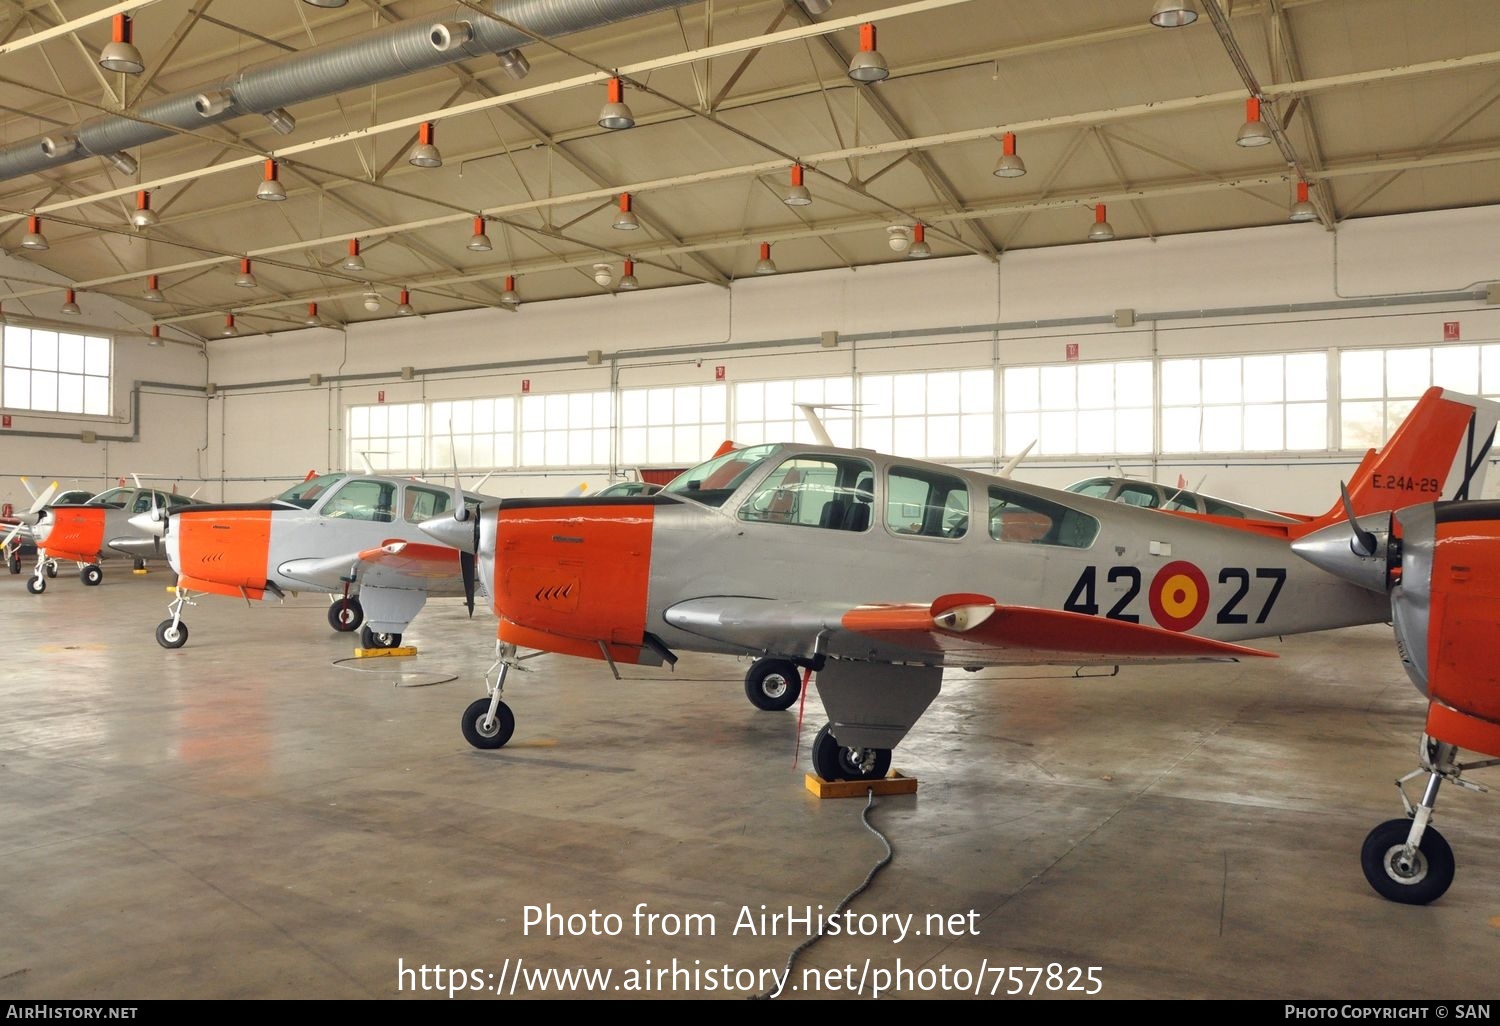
x=140, y=573
x=375, y=653
x=895, y=782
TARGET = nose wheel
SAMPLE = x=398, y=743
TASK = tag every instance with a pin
x=833, y=761
x=36, y=585
x=486, y=729
x=171, y=633
x=1412, y=876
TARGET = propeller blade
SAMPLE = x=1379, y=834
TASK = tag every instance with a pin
x=467, y=561
x=1015, y=461
x=17, y=530
x=29, y=490
x=460, y=510
x=1363, y=542
x=44, y=498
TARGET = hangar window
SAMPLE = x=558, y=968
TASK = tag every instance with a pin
x=674, y=426
x=482, y=433
x=1079, y=408
x=1378, y=387
x=1270, y=402
x=55, y=372
x=1018, y=517
x=927, y=503
x=937, y=415
x=390, y=436
x=766, y=411
x=832, y=492
x=566, y=429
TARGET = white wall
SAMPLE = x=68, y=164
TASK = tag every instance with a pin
x=172, y=425
x=263, y=435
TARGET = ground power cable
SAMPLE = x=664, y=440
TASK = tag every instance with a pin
x=890, y=854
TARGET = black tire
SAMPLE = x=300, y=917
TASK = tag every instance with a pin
x=166, y=637
x=1425, y=881
x=15, y=564
x=833, y=761
x=773, y=684
x=499, y=733
x=36, y=585
x=345, y=615
x=370, y=639
x=51, y=567
x=91, y=574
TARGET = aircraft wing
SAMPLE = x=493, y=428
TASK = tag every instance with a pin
x=955, y=630
x=396, y=564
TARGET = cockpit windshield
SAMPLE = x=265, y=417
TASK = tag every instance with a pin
x=307, y=493
x=712, y=482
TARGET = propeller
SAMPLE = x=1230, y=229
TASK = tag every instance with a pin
x=33, y=514
x=1363, y=542
x=1015, y=461
x=466, y=557
x=153, y=522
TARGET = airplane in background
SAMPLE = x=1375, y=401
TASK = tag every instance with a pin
x=877, y=573
x=17, y=540
x=355, y=536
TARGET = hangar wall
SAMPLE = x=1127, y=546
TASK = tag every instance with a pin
x=1379, y=282
x=157, y=425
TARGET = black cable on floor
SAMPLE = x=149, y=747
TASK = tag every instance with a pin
x=890, y=853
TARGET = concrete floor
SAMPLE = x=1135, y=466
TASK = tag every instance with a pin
x=244, y=819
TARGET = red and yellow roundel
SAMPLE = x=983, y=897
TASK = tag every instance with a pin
x=1179, y=596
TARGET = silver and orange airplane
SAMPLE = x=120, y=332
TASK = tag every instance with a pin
x=877, y=573
x=354, y=536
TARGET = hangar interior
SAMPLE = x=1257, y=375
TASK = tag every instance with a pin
x=214, y=823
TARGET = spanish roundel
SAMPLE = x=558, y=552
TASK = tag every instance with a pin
x=1179, y=596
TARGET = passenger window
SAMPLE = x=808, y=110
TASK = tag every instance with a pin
x=425, y=503
x=1185, y=502
x=142, y=503
x=1018, y=517
x=362, y=500
x=831, y=492
x=1138, y=495
x=926, y=503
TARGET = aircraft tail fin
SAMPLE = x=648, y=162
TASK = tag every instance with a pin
x=1440, y=451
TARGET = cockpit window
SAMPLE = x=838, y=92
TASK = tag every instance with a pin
x=1018, y=517
x=115, y=498
x=310, y=491
x=712, y=482
x=832, y=492
x=362, y=500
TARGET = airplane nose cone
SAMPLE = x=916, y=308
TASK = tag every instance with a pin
x=456, y=534
x=1331, y=549
x=42, y=526
x=147, y=524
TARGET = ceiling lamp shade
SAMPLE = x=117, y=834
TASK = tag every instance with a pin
x=898, y=237
x=144, y=216
x=281, y=120
x=270, y=187
x=817, y=7
x=155, y=338
x=765, y=265
x=325, y=3
x=625, y=220
x=514, y=64
x=628, y=282
x=34, y=237
x=919, y=250
x=479, y=242
x=1010, y=165
x=70, y=305
x=1102, y=231
x=797, y=195
x=404, y=307
x=312, y=320
x=1302, y=210
x=604, y=275
x=246, y=280
x=353, y=262
x=1254, y=132
x=1173, y=13
x=152, y=292
x=372, y=299
x=868, y=65
x=509, y=298
x=120, y=53
x=425, y=153
x=616, y=115
x=229, y=328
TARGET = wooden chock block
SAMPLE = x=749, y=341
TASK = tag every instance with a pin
x=895, y=782
x=375, y=653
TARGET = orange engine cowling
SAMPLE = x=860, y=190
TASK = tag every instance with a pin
x=222, y=551
x=1446, y=611
x=569, y=576
x=72, y=532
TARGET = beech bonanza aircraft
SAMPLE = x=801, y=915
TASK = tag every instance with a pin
x=355, y=536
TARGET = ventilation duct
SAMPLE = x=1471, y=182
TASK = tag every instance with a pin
x=361, y=60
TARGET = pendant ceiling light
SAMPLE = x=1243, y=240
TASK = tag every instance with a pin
x=798, y=195
x=1010, y=165
x=479, y=242
x=144, y=216
x=765, y=265
x=152, y=292
x=353, y=262
x=616, y=114
x=510, y=299
x=120, y=53
x=1102, y=230
x=628, y=282
x=868, y=65
x=270, y=187
x=425, y=153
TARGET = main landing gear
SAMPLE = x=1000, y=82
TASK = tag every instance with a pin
x=345, y=614
x=488, y=722
x=91, y=574
x=1407, y=860
x=773, y=684
x=375, y=639
x=833, y=761
x=172, y=632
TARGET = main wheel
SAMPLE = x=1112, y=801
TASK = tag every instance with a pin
x=15, y=564
x=345, y=615
x=168, y=636
x=36, y=585
x=493, y=735
x=91, y=574
x=51, y=567
x=833, y=761
x=371, y=639
x=773, y=684
x=1422, y=879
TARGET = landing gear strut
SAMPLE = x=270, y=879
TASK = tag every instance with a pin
x=488, y=722
x=172, y=632
x=834, y=761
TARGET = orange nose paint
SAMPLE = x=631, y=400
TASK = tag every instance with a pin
x=77, y=533
x=224, y=552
